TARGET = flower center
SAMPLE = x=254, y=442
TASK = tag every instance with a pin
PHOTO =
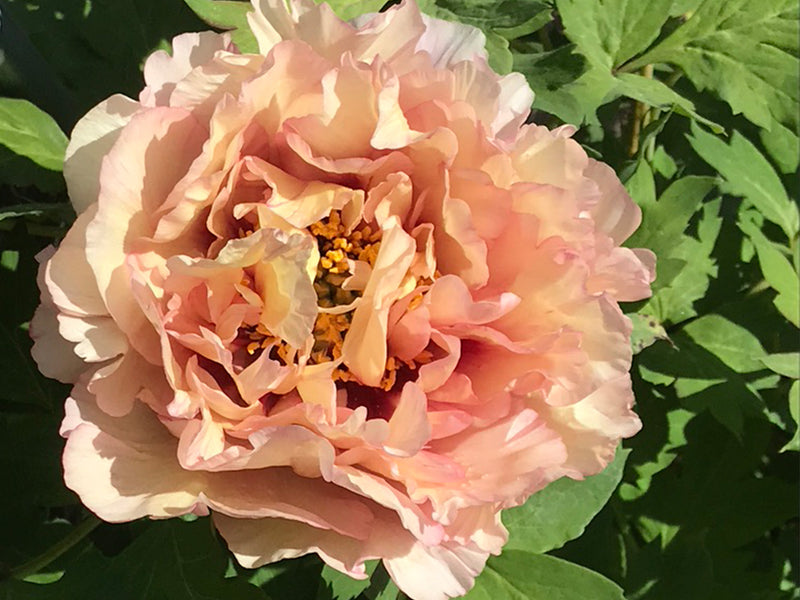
x=336, y=245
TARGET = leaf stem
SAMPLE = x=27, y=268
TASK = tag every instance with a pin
x=641, y=114
x=38, y=563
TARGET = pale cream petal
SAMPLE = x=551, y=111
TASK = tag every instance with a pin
x=54, y=355
x=162, y=71
x=91, y=139
x=68, y=276
x=126, y=468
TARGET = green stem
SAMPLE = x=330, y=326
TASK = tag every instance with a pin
x=38, y=563
x=640, y=117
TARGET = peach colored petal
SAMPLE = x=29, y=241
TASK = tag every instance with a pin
x=409, y=428
x=127, y=189
x=615, y=214
x=450, y=303
x=364, y=349
x=436, y=573
x=162, y=71
x=280, y=493
x=125, y=468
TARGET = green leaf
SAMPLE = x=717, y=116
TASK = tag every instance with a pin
x=732, y=344
x=97, y=48
x=745, y=51
x=518, y=575
x=794, y=410
x=684, y=265
x=171, y=559
x=757, y=183
x=350, y=9
x=646, y=331
x=32, y=133
x=665, y=220
x=490, y=14
x=229, y=15
x=222, y=14
x=655, y=93
x=705, y=368
x=37, y=209
x=561, y=511
x=542, y=15
x=783, y=146
x=786, y=364
x=562, y=85
x=335, y=585
x=778, y=272
x=609, y=32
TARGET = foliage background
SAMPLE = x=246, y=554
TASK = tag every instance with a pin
x=693, y=102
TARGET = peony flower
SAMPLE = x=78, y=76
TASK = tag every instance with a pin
x=338, y=295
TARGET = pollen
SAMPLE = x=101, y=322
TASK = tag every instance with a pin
x=338, y=248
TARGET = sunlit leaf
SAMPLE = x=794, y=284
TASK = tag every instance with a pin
x=757, y=183
x=745, y=51
x=518, y=575
x=561, y=511
x=778, y=273
x=32, y=133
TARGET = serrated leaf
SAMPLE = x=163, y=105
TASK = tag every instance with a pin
x=778, y=273
x=783, y=146
x=32, y=133
x=684, y=262
x=665, y=220
x=518, y=575
x=609, y=32
x=684, y=275
x=745, y=51
x=757, y=183
x=561, y=511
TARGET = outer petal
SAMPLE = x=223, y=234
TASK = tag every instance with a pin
x=91, y=139
x=615, y=214
x=54, y=355
x=125, y=468
x=162, y=72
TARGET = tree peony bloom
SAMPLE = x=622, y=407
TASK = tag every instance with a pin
x=339, y=295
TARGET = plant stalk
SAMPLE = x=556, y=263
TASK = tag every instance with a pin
x=38, y=563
